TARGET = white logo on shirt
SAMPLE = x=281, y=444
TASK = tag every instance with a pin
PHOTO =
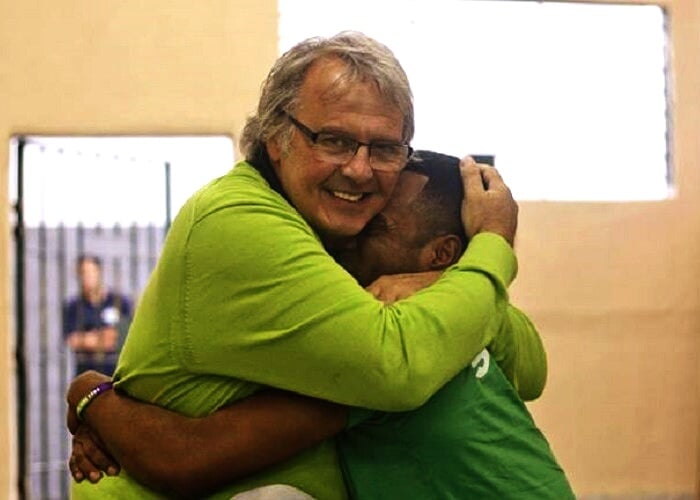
x=481, y=363
x=110, y=316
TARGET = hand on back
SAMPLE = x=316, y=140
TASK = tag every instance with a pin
x=394, y=287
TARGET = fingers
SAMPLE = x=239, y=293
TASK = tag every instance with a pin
x=484, y=177
x=80, y=467
x=382, y=290
x=379, y=291
x=391, y=288
x=490, y=177
x=488, y=205
x=88, y=460
x=471, y=176
x=74, y=470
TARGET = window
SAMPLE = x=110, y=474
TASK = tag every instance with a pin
x=93, y=180
x=571, y=98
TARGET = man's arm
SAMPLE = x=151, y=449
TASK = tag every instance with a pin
x=189, y=457
x=517, y=349
x=80, y=339
x=102, y=339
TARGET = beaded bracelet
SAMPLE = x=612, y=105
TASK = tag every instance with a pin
x=89, y=397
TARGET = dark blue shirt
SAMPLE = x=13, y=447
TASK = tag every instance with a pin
x=81, y=315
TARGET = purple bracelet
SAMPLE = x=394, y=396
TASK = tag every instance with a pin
x=89, y=397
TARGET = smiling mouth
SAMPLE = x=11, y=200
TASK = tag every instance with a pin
x=352, y=197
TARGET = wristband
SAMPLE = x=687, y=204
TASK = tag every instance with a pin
x=89, y=397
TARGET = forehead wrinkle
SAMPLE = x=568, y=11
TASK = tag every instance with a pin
x=342, y=85
x=345, y=77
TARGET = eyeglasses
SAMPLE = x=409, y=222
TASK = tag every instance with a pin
x=383, y=156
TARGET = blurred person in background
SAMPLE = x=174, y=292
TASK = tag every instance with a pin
x=95, y=320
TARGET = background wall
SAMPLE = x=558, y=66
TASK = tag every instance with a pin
x=613, y=287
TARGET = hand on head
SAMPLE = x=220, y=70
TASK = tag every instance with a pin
x=489, y=205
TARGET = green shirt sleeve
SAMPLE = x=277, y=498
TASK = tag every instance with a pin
x=519, y=352
x=263, y=302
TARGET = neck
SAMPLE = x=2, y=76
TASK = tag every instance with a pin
x=95, y=295
x=260, y=160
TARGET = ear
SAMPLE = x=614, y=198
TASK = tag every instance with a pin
x=443, y=251
x=274, y=151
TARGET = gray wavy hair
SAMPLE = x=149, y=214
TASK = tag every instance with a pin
x=366, y=60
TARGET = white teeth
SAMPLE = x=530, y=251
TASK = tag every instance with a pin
x=347, y=196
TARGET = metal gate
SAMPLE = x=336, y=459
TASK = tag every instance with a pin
x=45, y=263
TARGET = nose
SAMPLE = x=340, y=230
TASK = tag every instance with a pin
x=359, y=168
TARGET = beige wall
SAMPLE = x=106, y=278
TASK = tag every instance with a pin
x=614, y=290
x=613, y=287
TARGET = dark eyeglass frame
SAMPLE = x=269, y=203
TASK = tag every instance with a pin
x=313, y=137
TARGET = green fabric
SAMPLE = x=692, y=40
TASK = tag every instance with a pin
x=244, y=295
x=474, y=439
x=523, y=359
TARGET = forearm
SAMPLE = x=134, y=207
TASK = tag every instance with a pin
x=75, y=340
x=139, y=435
x=108, y=338
x=84, y=341
x=98, y=340
x=263, y=430
x=188, y=457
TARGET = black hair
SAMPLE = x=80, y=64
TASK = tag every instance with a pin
x=439, y=205
x=86, y=257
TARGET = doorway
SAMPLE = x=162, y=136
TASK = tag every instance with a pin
x=108, y=197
